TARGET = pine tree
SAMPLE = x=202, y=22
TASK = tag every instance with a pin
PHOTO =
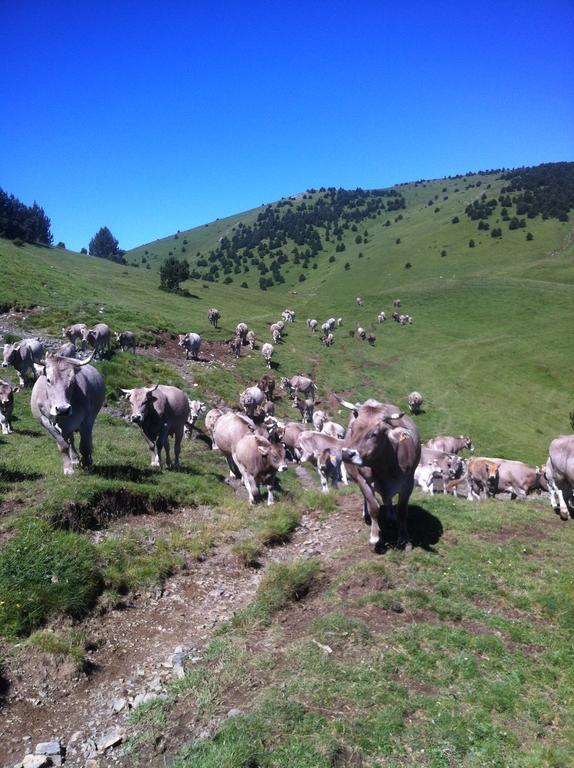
x=104, y=245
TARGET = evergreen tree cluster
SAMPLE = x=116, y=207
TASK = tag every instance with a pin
x=173, y=272
x=104, y=245
x=22, y=222
x=294, y=231
x=546, y=190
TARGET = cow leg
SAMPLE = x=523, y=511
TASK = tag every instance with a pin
x=177, y=445
x=61, y=442
x=250, y=484
x=344, y=478
x=166, y=449
x=156, y=453
x=322, y=478
x=403, y=539
x=72, y=453
x=562, y=504
x=270, y=499
x=373, y=507
x=86, y=445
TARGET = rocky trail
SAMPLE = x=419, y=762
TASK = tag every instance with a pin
x=135, y=650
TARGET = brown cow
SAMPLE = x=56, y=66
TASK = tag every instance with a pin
x=386, y=443
x=482, y=477
x=258, y=461
x=519, y=479
x=450, y=444
x=267, y=384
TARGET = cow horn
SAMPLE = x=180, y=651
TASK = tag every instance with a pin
x=347, y=404
x=80, y=363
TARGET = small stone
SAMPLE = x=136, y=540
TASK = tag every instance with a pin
x=49, y=748
x=137, y=700
x=36, y=761
x=118, y=705
x=110, y=739
x=234, y=713
x=91, y=763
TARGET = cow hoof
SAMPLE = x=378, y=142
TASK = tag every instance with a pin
x=564, y=515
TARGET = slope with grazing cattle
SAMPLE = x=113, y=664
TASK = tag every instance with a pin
x=489, y=351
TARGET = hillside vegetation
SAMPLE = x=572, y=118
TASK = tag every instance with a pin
x=454, y=655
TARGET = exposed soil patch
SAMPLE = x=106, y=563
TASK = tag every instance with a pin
x=105, y=507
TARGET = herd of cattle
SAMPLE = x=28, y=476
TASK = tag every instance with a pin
x=379, y=448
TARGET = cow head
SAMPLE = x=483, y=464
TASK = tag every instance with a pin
x=141, y=400
x=274, y=453
x=7, y=393
x=11, y=352
x=368, y=430
x=60, y=378
x=467, y=443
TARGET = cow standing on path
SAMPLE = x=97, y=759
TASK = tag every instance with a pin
x=191, y=342
x=99, y=338
x=23, y=356
x=126, y=340
x=385, y=447
x=258, y=461
x=66, y=398
x=159, y=411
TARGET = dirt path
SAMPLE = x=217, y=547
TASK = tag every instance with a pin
x=132, y=650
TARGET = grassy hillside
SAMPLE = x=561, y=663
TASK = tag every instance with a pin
x=455, y=655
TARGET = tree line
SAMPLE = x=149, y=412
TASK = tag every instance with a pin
x=20, y=222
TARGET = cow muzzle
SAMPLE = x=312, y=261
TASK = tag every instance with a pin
x=136, y=418
x=4, y=364
x=63, y=409
x=353, y=456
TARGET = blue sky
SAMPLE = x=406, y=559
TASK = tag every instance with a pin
x=148, y=117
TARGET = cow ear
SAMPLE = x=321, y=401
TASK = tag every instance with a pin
x=263, y=451
x=15, y=389
x=126, y=393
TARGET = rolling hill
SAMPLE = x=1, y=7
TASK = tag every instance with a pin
x=306, y=649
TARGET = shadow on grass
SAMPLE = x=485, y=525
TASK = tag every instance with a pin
x=15, y=476
x=425, y=530
x=125, y=472
x=29, y=432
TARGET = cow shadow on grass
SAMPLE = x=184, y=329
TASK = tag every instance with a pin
x=17, y=476
x=425, y=530
x=125, y=472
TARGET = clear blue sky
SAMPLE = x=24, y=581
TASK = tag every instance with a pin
x=149, y=117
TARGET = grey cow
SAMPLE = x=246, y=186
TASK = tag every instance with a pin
x=191, y=342
x=7, y=392
x=66, y=398
x=99, y=338
x=300, y=384
x=23, y=355
x=251, y=399
x=159, y=411
x=560, y=475
x=126, y=340
x=75, y=332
